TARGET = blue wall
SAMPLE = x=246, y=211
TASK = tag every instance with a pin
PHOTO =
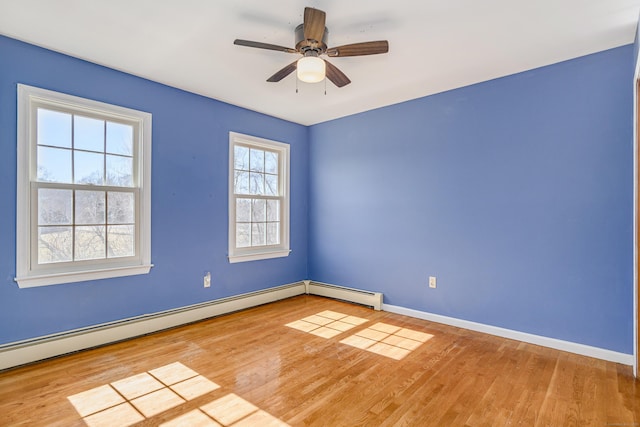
x=636, y=46
x=516, y=193
x=189, y=199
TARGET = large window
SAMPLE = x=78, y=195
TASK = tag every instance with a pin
x=258, y=198
x=83, y=200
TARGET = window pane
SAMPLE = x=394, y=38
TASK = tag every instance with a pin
x=88, y=168
x=88, y=134
x=271, y=185
x=273, y=210
x=273, y=233
x=258, y=210
x=256, y=160
x=243, y=210
x=90, y=207
x=241, y=184
x=90, y=242
x=243, y=235
x=257, y=234
x=121, y=240
x=256, y=183
x=55, y=207
x=54, y=244
x=54, y=165
x=241, y=158
x=54, y=128
x=271, y=162
x=120, y=171
x=121, y=208
x=119, y=139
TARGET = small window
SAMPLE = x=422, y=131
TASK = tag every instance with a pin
x=83, y=189
x=258, y=198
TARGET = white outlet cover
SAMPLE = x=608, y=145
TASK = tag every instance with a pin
x=432, y=281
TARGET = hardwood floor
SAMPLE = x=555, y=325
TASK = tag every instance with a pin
x=267, y=366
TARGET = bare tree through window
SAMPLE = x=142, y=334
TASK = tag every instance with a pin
x=257, y=214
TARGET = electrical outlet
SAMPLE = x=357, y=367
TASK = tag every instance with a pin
x=207, y=279
x=432, y=281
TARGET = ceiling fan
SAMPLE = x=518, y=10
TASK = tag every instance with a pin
x=311, y=42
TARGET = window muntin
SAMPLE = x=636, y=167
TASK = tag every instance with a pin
x=83, y=189
x=258, y=202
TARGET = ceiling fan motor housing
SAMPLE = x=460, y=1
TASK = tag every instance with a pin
x=303, y=45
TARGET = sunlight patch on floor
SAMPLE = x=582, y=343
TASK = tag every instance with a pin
x=140, y=397
x=387, y=340
x=327, y=324
x=381, y=338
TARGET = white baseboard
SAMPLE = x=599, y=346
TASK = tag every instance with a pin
x=571, y=347
x=23, y=352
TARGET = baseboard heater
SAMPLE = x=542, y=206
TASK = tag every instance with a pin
x=27, y=351
x=371, y=299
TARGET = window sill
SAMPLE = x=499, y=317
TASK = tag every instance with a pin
x=258, y=256
x=80, y=276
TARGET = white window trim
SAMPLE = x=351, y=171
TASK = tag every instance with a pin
x=259, y=253
x=26, y=276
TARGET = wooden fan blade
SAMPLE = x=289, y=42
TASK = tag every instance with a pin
x=260, y=45
x=359, y=49
x=336, y=76
x=283, y=73
x=314, y=21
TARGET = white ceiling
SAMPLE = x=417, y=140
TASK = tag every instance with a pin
x=434, y=45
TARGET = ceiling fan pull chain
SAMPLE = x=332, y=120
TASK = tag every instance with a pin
x=325, y=86
x=296, y=85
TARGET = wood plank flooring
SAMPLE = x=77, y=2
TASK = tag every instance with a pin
x=267, y=366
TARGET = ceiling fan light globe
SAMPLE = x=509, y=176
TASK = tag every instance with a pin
x=311, y=69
